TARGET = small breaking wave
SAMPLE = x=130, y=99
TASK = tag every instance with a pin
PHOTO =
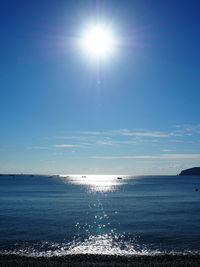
x=106, y=244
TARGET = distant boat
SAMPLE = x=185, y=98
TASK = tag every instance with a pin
x=54, y=176
x=119, y=178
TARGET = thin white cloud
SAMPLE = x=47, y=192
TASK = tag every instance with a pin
x=161, y=156
x=139, y=133
x=91, y=133
x=136, y=132
x=132, y=137
x=178, y=131
x=66, y=146
x=105, y=142
x=146, y=134
x=189, y=128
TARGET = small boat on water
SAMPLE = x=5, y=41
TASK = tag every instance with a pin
x=119, y=178
x=54, y=176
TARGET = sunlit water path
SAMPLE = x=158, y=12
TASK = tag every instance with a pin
x=102, y=214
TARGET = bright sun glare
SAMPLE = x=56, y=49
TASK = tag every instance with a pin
x=98, y=41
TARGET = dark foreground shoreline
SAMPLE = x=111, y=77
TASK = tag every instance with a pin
x=100, y=260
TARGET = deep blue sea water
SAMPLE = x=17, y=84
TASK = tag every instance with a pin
x=42, y=215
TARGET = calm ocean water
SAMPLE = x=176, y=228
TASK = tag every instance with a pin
x=41, y=215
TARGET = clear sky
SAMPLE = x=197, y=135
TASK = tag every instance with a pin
x=135, y=112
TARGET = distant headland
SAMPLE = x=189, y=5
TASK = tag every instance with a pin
x=191, y=171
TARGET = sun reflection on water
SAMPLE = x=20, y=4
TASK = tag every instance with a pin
x=102, y=244
x=96, y=183
x=108, y=244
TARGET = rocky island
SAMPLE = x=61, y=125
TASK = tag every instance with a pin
x=191, y=171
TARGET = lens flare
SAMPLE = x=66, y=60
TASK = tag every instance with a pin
x=98, y=41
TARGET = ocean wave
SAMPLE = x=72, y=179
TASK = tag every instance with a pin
x=106, y=244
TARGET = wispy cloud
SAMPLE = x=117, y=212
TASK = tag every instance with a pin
x=142, y=133
x=91, y=133
x=189, y=129
x=160, y=156
x=185, y=130
x=123, y=137
x=105, y=142
x=66, y=146
x=136, y=132
x=147, y=134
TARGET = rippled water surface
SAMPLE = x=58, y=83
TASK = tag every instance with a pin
x=41, y=215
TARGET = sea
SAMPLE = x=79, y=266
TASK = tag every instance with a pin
x=60, y=215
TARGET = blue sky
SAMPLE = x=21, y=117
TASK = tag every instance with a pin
x=136, y=112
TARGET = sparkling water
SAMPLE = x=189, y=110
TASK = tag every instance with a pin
x=99, y=214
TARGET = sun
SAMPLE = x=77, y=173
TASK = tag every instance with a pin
x=98, y=41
